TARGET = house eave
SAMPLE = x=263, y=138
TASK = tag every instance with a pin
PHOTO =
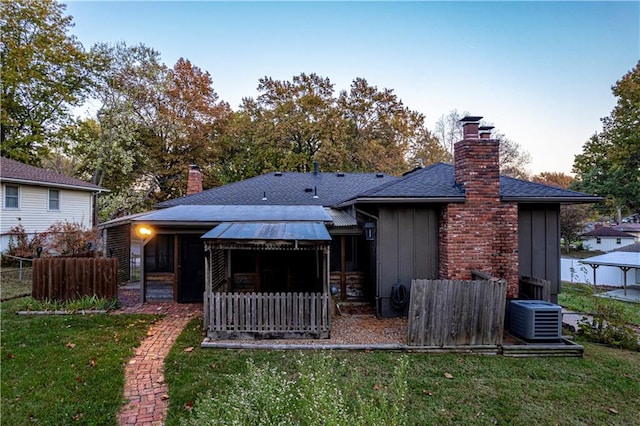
x=553, y=200
x=403, y=200
x=53, y=185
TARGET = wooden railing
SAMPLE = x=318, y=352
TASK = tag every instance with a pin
x=267, y=315
x=65, y=278
x=534, y=289
x=447, y=313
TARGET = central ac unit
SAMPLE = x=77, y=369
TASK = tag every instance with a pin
x=536, y=320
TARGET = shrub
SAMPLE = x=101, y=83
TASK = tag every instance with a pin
x=609, y=326
x=312, y=395
x=61, y=238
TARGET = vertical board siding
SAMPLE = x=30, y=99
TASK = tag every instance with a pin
x=69, y=278
x=268, y=315
x=407, y=247
x=539, y=244
x=446, y=313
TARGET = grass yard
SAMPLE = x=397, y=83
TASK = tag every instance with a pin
x=65, y=369
x=580, y=298
x=601, y=388
x=10, y=284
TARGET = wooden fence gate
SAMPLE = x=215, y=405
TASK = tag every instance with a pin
x=267, y=315
x=446, y=313
x=65, y=278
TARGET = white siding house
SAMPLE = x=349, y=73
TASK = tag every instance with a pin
x=37, y=198
x=606, y=239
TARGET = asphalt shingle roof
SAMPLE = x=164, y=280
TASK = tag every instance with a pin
x=605, y=231
x=433, y=182
x=632, y=248
x=286, y=188
x=437, y=181
x=15, y=171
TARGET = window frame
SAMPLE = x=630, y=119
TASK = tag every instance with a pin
x=49, y=199
x=16, y=196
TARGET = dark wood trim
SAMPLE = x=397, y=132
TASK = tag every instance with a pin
x=343, y=267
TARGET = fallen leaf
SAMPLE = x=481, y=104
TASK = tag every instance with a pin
x=212, y=365
x=613, y=410
x=188, y=406
x=376, y=387
x=164, y=397
x=79, y=379
x=150, y=333
x=70, y=345
x=426, y=392
x=92, y=363
x=10, y=356
x=77, y=416
x=189, y=349
x=448, y=376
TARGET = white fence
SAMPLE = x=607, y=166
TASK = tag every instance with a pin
x=573, y=271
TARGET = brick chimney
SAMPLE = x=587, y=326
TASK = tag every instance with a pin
x=194, y=180
x=482, y=232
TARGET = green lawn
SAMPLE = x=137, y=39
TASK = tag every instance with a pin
x=10, y=283
x=601, y=388
x=65, y=369
x=580, y=298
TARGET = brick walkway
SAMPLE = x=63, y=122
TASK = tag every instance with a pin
x=145, y=389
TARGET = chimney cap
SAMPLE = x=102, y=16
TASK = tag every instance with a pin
x=194, y=167
x=470, y=119
x=486, y=128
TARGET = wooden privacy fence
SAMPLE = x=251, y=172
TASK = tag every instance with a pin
x=65, y=278
x=446, y=313
x=267, y=315
x=534, y=289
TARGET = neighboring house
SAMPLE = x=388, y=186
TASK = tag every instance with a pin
x=606, y=239
x=630, y=228
x=365, y=235
x=36, y=198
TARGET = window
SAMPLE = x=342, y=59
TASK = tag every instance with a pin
x=618, y=240
x=54, y=199
x=158, y=254
x=11, y=197
x=598, y=240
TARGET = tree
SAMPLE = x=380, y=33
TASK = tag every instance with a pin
x=45, y=71
x=514, y=160
x=558, y=179
x=293, y=123
x=609, y=164
x=448, y=130
x=188, y=119
x=573, y=217
x=381, y=132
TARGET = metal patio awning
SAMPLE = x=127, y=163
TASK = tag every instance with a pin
x=269, y=231
x=623, y=260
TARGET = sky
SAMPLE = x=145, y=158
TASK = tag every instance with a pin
x=541, y=72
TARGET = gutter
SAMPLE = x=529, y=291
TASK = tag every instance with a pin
x=95, y=189
x=404, y=200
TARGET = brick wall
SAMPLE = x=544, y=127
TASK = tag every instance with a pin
x=194, y=180
x=481, y=233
